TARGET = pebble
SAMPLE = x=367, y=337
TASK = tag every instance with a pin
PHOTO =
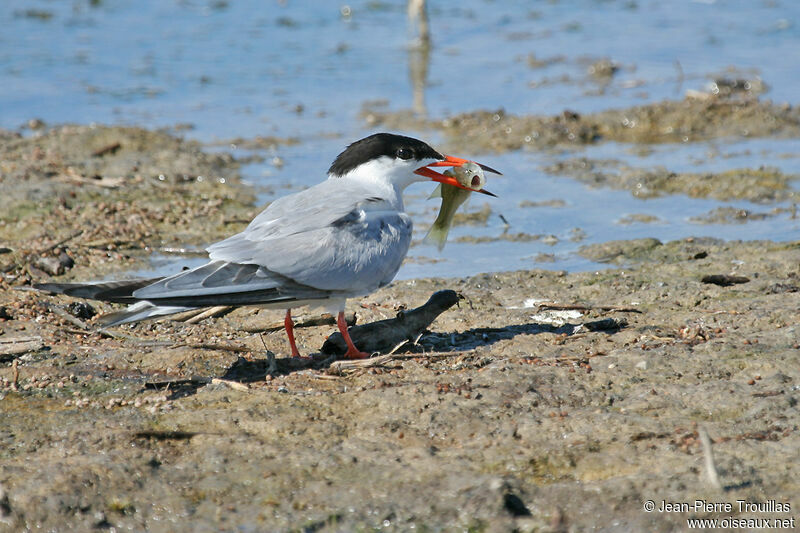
x=51, y=265
x=642, y=365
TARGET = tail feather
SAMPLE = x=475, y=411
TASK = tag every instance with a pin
x=107, y=291
x=139, y=311
x=117, y=292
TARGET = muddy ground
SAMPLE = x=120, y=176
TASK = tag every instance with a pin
x=545, y=401
x=697, y=117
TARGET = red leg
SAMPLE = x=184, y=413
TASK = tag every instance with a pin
x=289, y=325
x=352, y=351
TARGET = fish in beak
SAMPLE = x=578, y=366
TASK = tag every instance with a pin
x=461, y=180
x=450, y=161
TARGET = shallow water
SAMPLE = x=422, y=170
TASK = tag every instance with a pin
x=246, y=68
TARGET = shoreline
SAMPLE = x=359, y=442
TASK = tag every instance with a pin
x=545, y=400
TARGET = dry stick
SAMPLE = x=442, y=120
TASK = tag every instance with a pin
x=71, y=176
x=568, y=358
x=430, y=354
x=15, y=368
x=113, y=147
x=76, y=331
x=579, y=307
x=196, y=315
x=17, y=340
x=399, y=345
x=338, y=366
x=323, y=320
x=186, y=315
x=216, y=346
x=711, y=468
x=62, y=241
x=19, y=345
x=235, y=385
x=213, y=312
x=415, y=342
x=138, y=340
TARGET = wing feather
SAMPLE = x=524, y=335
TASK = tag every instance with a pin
x=333, y=237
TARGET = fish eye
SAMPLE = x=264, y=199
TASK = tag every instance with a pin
x=405, y=153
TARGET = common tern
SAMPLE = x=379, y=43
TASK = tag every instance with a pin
x=343, y=238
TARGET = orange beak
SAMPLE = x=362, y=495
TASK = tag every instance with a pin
x=450, y=161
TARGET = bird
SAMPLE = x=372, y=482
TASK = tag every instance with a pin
x=344, y=237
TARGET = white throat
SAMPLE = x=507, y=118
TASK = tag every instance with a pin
x=388, y=176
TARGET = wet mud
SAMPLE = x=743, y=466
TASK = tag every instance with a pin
x=761, y=185
x=78, y=198
x=689, y=120
x=543, y=401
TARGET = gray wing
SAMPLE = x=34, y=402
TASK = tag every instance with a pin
x=333, y=240
x=221, y=283
x=310, y=209
x=336, y=236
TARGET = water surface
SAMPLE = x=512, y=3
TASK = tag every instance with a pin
x=227, y=69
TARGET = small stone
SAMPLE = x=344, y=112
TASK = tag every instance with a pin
x=51, y=265
x=65, y=260
x=642, y=365
x=81, y=310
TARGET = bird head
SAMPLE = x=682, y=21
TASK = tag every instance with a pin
x=399, y=160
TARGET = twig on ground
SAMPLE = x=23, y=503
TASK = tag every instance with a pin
x=399, y=345
x=322, y=320
x=218, y=346
x=167, y=383
x=579, y=307
x=62, y=241
x=14, y=346
x=429, y=355
x=214, y=312
x=196, y=315
x=235, y=385
x=326, y=376
x=337, y=367
x=568, y=358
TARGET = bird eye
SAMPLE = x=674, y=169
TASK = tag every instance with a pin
x=405, y=153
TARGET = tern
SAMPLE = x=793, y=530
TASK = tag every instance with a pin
x=342, y=238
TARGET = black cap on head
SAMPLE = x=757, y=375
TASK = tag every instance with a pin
x=379, y=144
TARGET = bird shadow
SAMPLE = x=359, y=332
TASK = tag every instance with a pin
x=478, y=337
x=256, y=370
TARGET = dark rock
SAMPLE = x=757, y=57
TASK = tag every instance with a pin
x=724, y=280
x=81, y=310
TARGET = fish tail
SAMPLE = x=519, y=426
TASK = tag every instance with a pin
x=437, y=235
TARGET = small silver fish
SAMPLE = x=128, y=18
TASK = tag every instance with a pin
x=469, y=175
